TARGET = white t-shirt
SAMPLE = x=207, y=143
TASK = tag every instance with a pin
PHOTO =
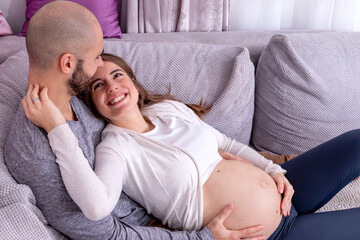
x=193, y=139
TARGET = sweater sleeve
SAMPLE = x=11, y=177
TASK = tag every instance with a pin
x=96, y=191
x=232, y=146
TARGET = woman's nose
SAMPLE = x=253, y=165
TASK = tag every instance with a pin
x=112, y=88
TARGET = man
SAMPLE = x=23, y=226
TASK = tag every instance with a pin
x=64, y=43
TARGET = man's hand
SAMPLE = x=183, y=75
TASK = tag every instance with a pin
x=284, y=187
x=219, y=231
x=229, y=156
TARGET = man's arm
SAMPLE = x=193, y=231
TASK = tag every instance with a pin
x=65, y=216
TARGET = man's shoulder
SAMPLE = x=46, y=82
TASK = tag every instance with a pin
x=22, y=140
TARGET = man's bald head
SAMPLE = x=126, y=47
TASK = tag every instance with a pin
x=60, y=27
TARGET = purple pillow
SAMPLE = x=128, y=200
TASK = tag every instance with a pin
x=105, y=11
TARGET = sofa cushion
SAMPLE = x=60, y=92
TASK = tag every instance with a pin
x=222, y=75
x=105, y=11
x=22, y=222
x=13, y=82
x=4, y=26
x=19, y=215
x=307, y=90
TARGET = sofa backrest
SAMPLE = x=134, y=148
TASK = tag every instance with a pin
x=223, y=76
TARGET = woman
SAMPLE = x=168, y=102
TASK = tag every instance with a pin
x=161, y=154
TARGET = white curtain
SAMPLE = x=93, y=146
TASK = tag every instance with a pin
x=144, y=16
x=295, y=14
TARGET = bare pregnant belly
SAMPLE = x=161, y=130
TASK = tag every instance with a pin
x=252, y=191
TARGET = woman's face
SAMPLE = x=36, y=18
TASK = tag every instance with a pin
x=113, y=92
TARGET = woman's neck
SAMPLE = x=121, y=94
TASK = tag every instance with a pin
x=135, y=122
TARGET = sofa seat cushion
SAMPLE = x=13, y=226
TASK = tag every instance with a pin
x=307, y=91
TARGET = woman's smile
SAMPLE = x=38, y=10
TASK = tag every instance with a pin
x=118, y=98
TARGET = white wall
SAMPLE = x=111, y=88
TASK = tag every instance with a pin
x=14, y=13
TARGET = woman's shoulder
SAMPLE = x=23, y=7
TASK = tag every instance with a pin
x=113, y=134
x=168, y=108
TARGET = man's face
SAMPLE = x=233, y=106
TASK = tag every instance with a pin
x=87, y=66
x=80, y=80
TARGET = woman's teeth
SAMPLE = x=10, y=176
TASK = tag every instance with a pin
x=117, y=99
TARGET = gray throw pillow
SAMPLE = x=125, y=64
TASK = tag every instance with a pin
x=13, y=82
x=17, y=201
x=307, y=91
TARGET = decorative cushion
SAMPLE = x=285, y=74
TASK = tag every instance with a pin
x=105, y=11
x=13, y=82
x=307, y=90
x=4, y=26
x=19, y=216
x=222, y=75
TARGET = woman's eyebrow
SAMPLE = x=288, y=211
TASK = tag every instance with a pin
x=114, y=71
x=92, y=83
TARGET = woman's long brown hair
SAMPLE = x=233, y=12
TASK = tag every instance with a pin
x=145, y=97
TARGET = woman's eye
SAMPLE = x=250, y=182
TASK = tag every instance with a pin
x=116, y=75
x=97, y=85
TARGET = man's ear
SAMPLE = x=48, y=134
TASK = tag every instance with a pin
x=67, y=63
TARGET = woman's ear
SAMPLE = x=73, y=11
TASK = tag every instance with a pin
x=67, y=63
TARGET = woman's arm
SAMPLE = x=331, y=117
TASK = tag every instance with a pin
x=232, y=146
x=96, y=191
x=275, y=171
x=225, y=143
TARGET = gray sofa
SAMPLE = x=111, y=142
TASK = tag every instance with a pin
x=280, y=92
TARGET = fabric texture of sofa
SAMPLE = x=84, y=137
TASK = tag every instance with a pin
x=280, y=92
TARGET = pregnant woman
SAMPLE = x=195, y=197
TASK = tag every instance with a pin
x=166, y=158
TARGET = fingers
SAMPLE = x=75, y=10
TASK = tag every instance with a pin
x=35, y=99
x=288, y=194
x=219, y=231
x=246, y=232
x=225, y=213
x=226, y=155
x=31, y=101
x=279, y=178
x=44, y=94
x=27, y=99
x=32, y=95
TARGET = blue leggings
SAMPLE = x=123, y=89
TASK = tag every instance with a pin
x=317, y=175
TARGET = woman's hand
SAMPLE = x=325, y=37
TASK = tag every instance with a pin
x=219, y=231
x=40, y=109
x=229, y=156
x=284, y=187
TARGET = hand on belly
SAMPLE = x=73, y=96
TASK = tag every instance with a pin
x=251, y=190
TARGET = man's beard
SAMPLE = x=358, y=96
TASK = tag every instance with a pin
x=79, y=82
